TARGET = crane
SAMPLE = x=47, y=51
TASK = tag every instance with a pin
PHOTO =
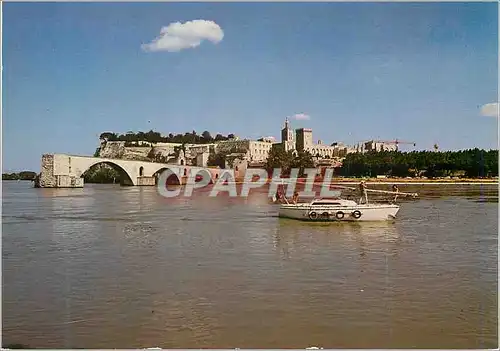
x=397, y=142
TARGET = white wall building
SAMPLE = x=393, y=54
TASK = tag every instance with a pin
x=377, y=146
x=304, y=142
x=257, y=151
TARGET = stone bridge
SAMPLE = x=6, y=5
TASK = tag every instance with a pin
x=66, y=171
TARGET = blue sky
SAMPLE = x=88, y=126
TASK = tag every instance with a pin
x=416, y=72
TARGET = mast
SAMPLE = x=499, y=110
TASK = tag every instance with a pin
x=379, y=191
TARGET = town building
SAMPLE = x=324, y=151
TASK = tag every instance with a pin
x=256, y=151
x=377, y=146
x=303, y=141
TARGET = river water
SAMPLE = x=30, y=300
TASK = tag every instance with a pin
x=122, y=267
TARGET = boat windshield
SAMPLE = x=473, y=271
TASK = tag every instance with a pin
x=326, y=202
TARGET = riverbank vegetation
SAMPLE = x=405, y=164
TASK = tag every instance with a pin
x=472, y=163
x=24, y=175
x=135, y=139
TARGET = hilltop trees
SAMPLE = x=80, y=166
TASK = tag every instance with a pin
x=206, y=136
x=132, y=138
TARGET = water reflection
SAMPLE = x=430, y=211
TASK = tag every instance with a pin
x=376, y=235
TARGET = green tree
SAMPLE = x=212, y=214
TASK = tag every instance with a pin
x=102, y=173
x=217, y=160
x=220, y=137
x=108, y=136
x=279, y=158
x=27, y=175
x=207, y=138
x=302, y=161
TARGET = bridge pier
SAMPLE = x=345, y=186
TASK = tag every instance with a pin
x=48, y=178
x=146, y=181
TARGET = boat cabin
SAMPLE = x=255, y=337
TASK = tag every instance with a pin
x=332, y=202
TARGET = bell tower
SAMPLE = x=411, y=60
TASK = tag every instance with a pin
x=287, y=137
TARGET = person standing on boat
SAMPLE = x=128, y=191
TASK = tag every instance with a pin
x=280, y=196
x=396, y=190
x=363, y=193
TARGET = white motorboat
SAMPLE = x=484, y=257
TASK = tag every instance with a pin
x=338, y=209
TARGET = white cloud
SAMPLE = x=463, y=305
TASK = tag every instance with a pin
x=178, y=36
x=490, y=110
x=301, y=117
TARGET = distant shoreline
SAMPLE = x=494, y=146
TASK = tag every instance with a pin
x=417, y=181
x=381, y=181
x=391, y=181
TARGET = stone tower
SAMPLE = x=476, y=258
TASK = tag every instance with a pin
x=287, y=137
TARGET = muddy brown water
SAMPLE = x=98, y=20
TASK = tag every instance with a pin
x=122, y=267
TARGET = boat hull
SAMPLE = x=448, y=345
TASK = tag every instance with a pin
x=358, y=213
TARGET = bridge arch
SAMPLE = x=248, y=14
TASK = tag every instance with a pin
x=125, y=178
x=179, y=172
x=202, y=174
x=172, y=179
